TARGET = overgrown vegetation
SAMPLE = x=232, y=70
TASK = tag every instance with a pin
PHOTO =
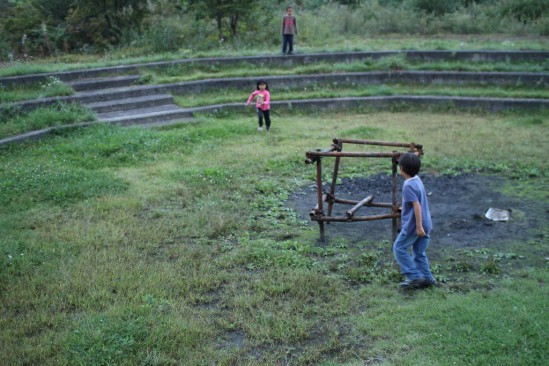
x=41, y=28
x=52, y=87
x=15, y=122
x=170, y=246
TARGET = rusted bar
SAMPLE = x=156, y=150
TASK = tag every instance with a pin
x=352, y=211
x=312, y=158
x=333, y=186
x=370, y=204
x=378, y=143
x=320, y=197
x=317, y=211
x=394, y=209
x=312, y=154
x=357, y=218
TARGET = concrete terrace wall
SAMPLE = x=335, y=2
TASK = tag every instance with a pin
x=293, y=81
x=335, y=104
x=480, y=55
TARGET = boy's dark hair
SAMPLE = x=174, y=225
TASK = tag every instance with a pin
x=289, y=7
x=259, y=82
x=410, y=163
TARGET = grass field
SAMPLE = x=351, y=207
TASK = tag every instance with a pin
x=175, y=246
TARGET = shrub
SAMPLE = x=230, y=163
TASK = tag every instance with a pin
x=436, y=7
x=526, y=10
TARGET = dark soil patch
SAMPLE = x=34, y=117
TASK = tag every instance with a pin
x=457, y=203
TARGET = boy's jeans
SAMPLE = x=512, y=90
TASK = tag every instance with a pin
x=287, y=40
x=417, y=265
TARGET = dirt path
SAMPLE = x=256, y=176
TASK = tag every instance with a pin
x=458, y=205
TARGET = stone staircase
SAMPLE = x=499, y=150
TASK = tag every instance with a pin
x=117, y=99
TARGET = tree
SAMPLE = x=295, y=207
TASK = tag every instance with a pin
x=102, y=23
x=227, y=13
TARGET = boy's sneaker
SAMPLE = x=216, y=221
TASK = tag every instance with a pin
x=259, y=129
x=427, y=282
x=416, y=284
x=411, y=284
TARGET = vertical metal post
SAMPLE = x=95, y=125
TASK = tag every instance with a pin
x=333, y=186
x=394, y=196
x=319, y=196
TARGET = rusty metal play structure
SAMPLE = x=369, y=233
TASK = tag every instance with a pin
x=336, y=150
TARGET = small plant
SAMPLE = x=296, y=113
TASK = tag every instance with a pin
x=491, y=267
x=462, y=267
x=53, y=87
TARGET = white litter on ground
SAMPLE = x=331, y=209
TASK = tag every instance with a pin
x=497, y=214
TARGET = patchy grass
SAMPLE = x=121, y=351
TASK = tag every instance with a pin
x=134, y=55
x=15, y=122
x=52, y=87
x=174, y=245
x=187, y=72
x=337, y=90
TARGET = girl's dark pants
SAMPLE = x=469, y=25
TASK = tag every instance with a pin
x=267, y=114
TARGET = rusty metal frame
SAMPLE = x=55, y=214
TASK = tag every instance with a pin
x=336, y=150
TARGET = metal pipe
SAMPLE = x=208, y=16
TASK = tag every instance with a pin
x=320, y=209
x=357, y=218
x=394, y=209
x=370, y=204
x=352, y=211
x=378, y=143
x=333, y=186
x=312, y=154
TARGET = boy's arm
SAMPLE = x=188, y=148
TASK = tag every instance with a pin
x=417, y=214
x=295, y=25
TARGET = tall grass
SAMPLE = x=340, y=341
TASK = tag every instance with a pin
x=349, y=42
x=340, y=91
x=52, y=87
x=15, y=122
x=176, y=246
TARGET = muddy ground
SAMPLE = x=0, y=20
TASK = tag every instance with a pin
x=458, y=205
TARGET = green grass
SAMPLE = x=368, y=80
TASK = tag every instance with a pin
x=179, y=73
x=175, y=246
x=52, y=87
x=15, y=122
x=133, y=55
x=339, y=91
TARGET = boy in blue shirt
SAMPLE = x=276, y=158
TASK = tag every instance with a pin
x=416, y=226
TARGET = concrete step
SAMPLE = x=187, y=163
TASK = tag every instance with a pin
x=147, y=116
x=125, y=104
x=103, y=83
x=299, y=59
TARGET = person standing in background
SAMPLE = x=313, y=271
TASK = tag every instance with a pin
x=289, y=29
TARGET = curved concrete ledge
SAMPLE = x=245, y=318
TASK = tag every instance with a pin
x=299, y=59
x=334, y=104
x=291, y=81
x=329, y=104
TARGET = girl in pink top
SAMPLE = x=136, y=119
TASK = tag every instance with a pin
x=262, y=104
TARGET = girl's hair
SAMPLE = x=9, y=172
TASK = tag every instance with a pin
x=262, y=82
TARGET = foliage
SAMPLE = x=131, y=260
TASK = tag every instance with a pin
x=436, y=7
x=526, y=10
x=49, y=28
x=56, y=115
